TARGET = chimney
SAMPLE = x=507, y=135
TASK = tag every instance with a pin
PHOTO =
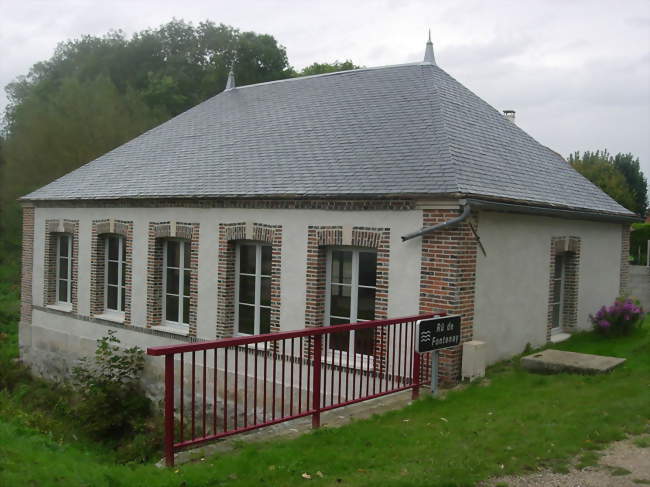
x=230, y=84
x=510, y=115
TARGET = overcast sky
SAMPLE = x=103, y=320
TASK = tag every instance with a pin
x=576, y=72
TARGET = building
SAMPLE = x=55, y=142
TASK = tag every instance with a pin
x=372, y=193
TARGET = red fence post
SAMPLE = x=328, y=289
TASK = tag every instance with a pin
x=316, y=403
x=416, y=376
x=169, y=410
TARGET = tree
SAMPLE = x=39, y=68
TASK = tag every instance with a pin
x=631, y=170
x=321, y=68
x=600, y=168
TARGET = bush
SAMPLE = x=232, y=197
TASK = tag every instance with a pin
x=618, y=319
x=112, y=404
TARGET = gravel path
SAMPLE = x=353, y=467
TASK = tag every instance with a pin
x=623, y=464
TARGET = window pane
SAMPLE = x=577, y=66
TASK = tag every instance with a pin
x=341, y=266
x=63, y=245
x=559, y=264
x=266, y=260
x=111, y=273
x=63, y=268
x=265, y=320
x=111, y=297
x=186, y=283
x=340, y=300
x=172, y=281
x=123, y=242
x=265, y=285
x=364, y=341
x=123, y=266
x=247, y=289
x=63, y=290
x=247, y=259
x=366, y=307
x=340, y=340
x=368, y=268
x=171, y=308
x=246, y=319
x=173, y=255
x=556, y=316
x=113, y=248
x=187, y=254
x=186, y=311
x=123, y=299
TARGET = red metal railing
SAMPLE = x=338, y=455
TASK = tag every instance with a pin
x=219, y=388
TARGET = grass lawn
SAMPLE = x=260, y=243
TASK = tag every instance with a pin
x=512, y=422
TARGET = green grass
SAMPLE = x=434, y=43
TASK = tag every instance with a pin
x=517, y=423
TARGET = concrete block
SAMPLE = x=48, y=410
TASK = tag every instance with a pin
x=557, y=361
x=474, y=359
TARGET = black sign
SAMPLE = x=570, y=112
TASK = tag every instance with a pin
x=437, y=333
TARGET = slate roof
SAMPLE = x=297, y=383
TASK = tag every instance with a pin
x=408, y=130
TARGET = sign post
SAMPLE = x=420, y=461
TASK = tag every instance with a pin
x=436, y=334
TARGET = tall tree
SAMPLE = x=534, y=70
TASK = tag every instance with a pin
x=629, y=166
x=598, y=167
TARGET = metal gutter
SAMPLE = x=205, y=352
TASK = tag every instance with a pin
x=553, y=212
x=450, y=223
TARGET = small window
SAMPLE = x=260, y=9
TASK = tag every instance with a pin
x=253, y=288
x=63, y=269
x=351, y=289
x=558, y=283
x=176, y=282
x=114, y=273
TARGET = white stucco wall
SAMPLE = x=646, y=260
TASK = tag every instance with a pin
x=512, y=282
x=404, y=267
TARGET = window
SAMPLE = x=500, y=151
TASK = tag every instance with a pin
x=114, y=273
x=351, y=288
x=558, y=283
x=253, y=289
x=63, y=269
x=176, y=282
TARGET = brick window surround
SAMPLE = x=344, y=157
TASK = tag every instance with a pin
x=158, y=232
x=447, y=281
x=100, y=229
x=625, y=260
x=570, y=248
x=53, y=228
x=319, y=238
x=26, y=298
x=229, y=235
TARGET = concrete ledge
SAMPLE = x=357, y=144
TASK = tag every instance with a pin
x=556, y=361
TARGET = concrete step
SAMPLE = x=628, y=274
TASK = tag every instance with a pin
x=557, y=361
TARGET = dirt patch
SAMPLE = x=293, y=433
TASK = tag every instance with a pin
x=623, y=464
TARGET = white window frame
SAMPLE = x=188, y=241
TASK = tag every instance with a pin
x=258, y=284
x=68, y=280
x=557, y=328
x=121, y=263
x=181, y=276
x=360, y=359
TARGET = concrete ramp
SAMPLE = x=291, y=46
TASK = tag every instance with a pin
x=557, y=361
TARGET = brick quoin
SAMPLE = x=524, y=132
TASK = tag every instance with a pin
x=447, y=281
x=27, y=266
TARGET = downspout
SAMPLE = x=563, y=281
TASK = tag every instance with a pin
x=467, y=210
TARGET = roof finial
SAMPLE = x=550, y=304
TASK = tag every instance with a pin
x=429, y=58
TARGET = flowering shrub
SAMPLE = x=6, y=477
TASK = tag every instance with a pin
x=618, y=319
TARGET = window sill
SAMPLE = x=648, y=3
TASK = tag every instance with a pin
x=114, y=317
x=359, y=362
x=66, y=308
x=172, y=329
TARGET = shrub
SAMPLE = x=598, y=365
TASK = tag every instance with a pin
x=112, y=404
x=618, y=319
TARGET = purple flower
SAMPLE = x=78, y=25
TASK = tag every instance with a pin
x=604, y=324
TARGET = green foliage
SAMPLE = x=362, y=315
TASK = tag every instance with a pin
x=599, y=169
x=320, y=68
x=95, y=93
x=112, y=404
x=639, y=238
x=631, y=170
